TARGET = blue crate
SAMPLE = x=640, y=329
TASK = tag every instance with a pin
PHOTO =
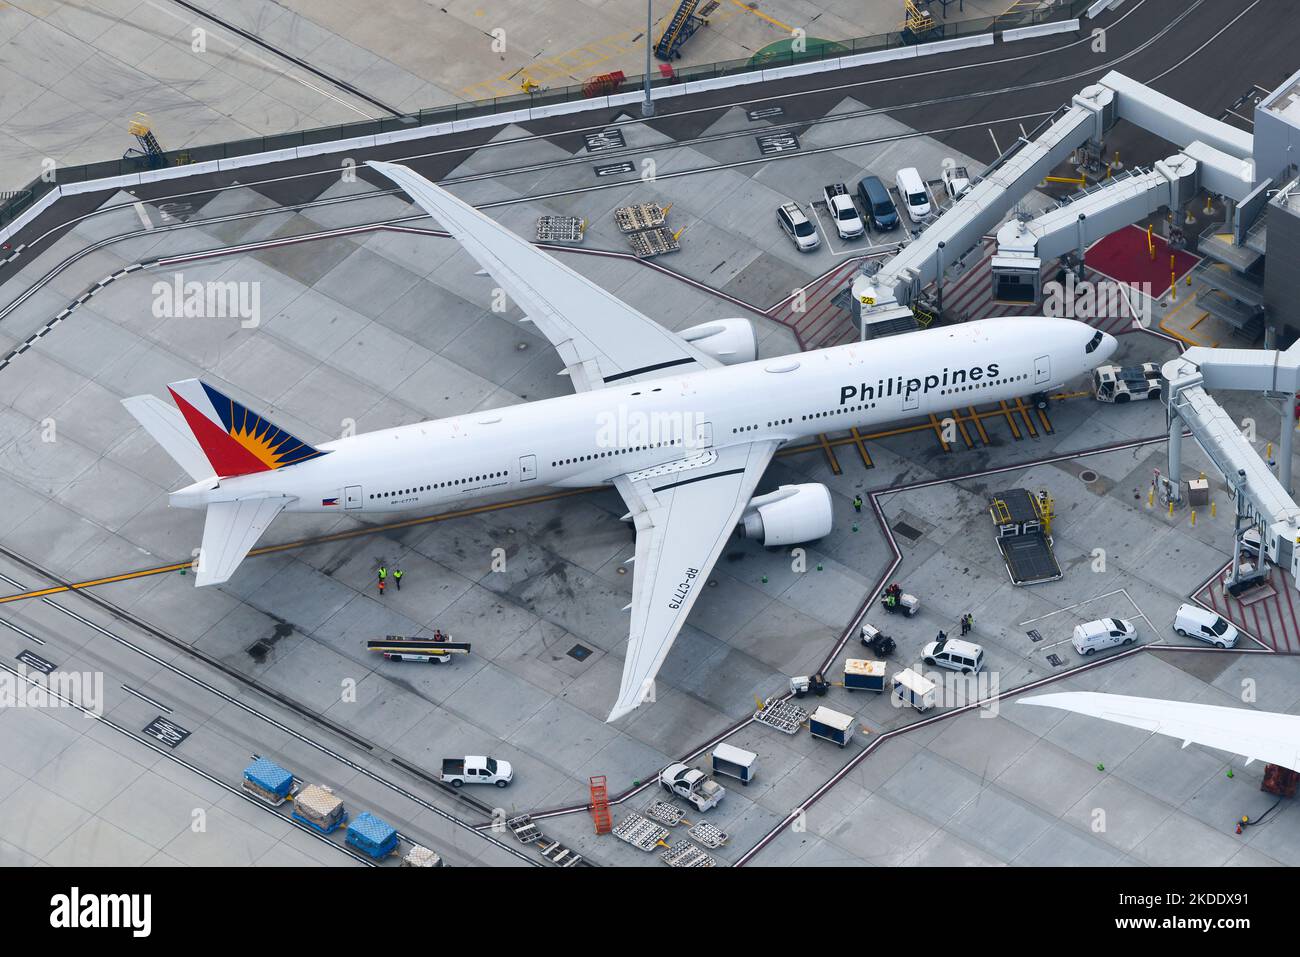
x=372, y=835
x=269, y=776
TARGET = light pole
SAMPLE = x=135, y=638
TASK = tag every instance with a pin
x=648, y=105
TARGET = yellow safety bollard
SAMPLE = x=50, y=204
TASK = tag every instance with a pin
x=1213, y=511
x=1151, y=246
x=1151, y=497
x=1171, y=508
x=1268, y=452
x=1173, y=287
x=1193, y=518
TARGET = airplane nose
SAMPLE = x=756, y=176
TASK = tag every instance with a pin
x=1109, y=344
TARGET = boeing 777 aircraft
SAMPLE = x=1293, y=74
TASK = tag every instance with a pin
x=681, y=424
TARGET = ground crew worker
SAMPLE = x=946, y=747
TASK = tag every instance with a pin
x=857, y=503
x=383, y=573
x=381, y=587
x=967, y=623
x=397, y=578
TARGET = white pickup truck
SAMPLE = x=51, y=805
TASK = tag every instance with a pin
x=476, y=769
x=955, y=181
x=692, y=784
x=839, y=203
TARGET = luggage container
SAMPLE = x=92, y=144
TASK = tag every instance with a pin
x=734, y=762
x=317, y=806
x=915, y=690
x=831, y=726
x=268, y=782
x=860, y=674
x=419, y=856
x=372, y=835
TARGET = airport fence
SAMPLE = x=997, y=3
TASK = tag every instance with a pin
x=13, y=204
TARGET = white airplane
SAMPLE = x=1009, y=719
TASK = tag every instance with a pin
x=1255, y=735
x=682, y=424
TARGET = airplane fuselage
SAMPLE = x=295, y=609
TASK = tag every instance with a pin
x=590, y=438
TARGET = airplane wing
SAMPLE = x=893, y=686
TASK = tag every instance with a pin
x=684, y=514
x=600, y=338
x=229, y=531
x=1255, y=735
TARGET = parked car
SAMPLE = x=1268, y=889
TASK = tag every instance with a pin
x=839, y=203
x=954, y=653
x=955, y=181
x=798, y=226
x=1093, y=636
x=1192, y=621
x=913, y=192
x=878, y=204
x=476, y=769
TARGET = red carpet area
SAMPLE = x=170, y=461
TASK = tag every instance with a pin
x=1123, y=256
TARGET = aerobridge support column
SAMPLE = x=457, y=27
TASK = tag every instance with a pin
x=1287, y=441
x=1175, y=455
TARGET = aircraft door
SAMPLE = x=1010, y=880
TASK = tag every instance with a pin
x=912, y=400
x=1042, y=370
x=527, y=468
x=703, y=435
x=352, y=496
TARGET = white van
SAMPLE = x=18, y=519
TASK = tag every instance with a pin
x=1192, y=621
x=1093, y=636
x=911, y=189
x=964, y=656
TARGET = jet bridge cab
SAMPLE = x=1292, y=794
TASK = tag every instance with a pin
x=1017, y=280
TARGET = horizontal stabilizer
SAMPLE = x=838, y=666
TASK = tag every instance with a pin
x=231, y=529
x=167, y=427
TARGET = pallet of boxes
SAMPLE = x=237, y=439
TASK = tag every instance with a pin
x=645, y=226
x=316, y=806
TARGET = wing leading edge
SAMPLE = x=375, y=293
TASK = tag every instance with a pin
x=683, y=519
x=1255, y=735
x=600, y=338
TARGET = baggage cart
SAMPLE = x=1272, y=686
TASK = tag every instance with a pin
x=831, y=726
x=734, y=762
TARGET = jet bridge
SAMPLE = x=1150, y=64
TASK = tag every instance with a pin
x=1262, y=500
x=1220, y=154
x=1099, y=210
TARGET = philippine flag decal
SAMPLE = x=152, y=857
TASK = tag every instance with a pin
x=329, y=501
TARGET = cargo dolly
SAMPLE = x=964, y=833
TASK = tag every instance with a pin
x=653, y=242
x=708, y=835
x=560, y=855
x=524, y=829
x=686, y=854
x=665, y=813
x=782, y=715
x=439, y=650
x=561, y=229
x=641, y=832
x=631, y=219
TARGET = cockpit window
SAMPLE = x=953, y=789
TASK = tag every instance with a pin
x=1094, y=342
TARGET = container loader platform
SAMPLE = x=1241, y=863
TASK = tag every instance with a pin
x=1024, y=534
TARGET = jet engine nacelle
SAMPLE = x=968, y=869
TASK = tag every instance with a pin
x=788, y=516
x=730, y=341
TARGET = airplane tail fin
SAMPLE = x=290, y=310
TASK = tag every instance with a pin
x=233, y=439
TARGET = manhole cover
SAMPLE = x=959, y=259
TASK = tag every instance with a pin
x=1055, y=660
x=1088, y=476
x=1035, y=635
x=579, y=652
x=908, y=532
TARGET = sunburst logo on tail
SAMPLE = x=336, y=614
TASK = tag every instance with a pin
x=236, y=440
